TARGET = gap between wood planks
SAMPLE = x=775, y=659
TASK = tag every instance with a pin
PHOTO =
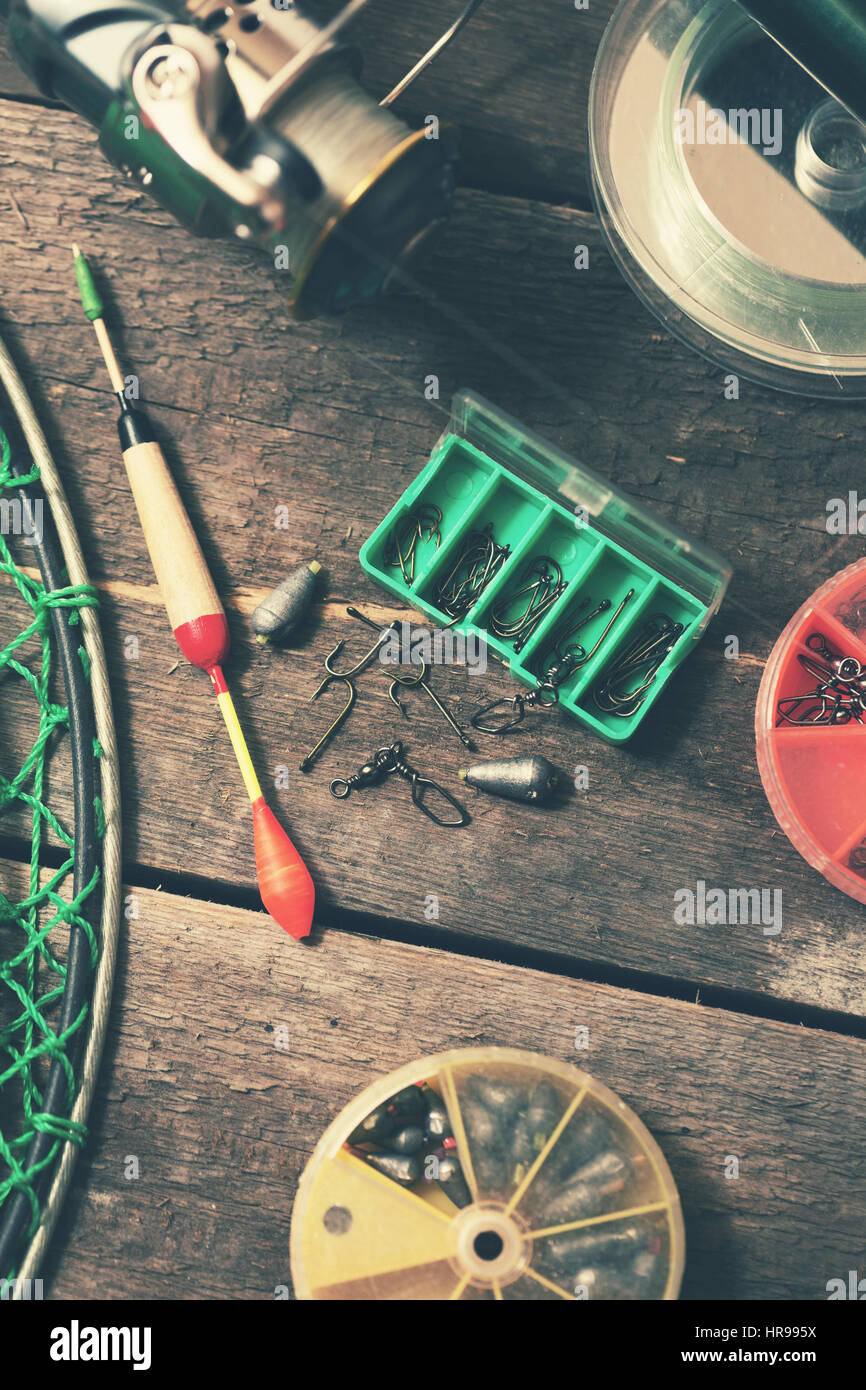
x=246, y=600
x=733, y=1001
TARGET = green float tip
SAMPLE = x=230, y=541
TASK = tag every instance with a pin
x=86, y=287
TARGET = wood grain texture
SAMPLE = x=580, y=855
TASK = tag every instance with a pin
x=222, y=1122
x=329, y=421
x=515, y=83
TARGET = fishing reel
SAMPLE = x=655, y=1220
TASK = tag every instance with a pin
x=245, y=118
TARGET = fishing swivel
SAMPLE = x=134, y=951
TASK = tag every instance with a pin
x=840, y=695
x=556, y=667
x=385, y=763
x=513, y=709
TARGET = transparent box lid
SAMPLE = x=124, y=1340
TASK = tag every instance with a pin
x=669, y=551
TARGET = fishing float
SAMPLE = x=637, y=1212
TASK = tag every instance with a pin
x=197, y=618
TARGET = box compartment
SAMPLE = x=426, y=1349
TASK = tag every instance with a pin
x=451, y=482
x=487, y=470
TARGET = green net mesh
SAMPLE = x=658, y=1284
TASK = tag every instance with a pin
x=35, y=929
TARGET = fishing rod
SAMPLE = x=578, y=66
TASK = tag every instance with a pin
x=246, y=119
x=197, y=618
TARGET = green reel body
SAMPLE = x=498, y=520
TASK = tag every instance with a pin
x=248, y=122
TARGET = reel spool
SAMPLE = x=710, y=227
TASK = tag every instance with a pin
x=487, y=1173
x=732, y=188
x=245, y=118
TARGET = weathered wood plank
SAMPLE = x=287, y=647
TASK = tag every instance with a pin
x=516, y=84
x=330, y=419
x=222, y=1123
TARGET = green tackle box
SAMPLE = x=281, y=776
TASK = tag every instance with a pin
x=488, y=471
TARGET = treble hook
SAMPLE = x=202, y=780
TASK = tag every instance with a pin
x=311, y=757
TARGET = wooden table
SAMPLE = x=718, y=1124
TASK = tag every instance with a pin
x=724, y=1040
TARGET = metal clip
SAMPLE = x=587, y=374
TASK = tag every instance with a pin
x=391, y=760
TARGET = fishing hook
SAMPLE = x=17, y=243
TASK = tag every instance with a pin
x=311, y=757
x=359, y=666
x=421, y=681
x=645, y=653
x=408, y=533
x=542, y=582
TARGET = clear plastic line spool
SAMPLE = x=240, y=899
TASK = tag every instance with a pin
x=560, y=1193
x=813, y=773
x=746, y=235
